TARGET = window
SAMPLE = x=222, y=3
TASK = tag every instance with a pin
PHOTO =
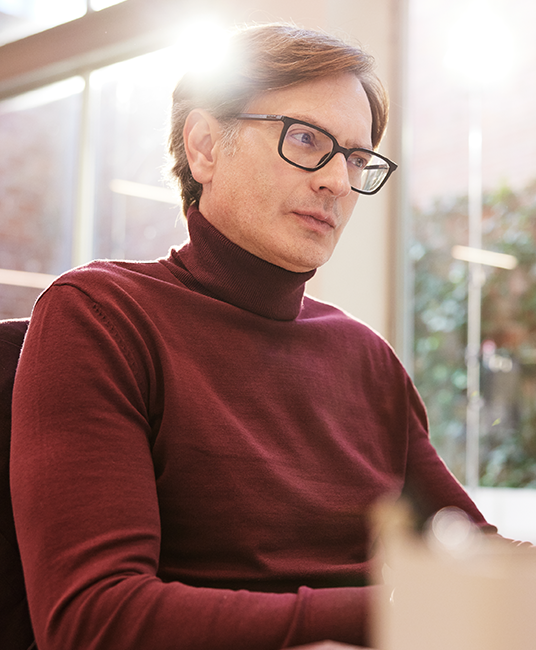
x=136, y=215
x=473, y=189
x=82, y=175
x=20, y=18
x=38, y=161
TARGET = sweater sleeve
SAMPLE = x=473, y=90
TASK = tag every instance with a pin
x=86, y=508
x=429, y=484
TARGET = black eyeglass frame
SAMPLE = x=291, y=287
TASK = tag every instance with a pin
x=289, y=121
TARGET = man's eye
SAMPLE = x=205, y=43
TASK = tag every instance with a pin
x=358, y=161
x=303, y=137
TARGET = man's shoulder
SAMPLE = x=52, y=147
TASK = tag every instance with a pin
x=349, y=331
x=335, y=316
x=101, y=275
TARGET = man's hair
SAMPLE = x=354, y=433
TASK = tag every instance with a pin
x=259, y=59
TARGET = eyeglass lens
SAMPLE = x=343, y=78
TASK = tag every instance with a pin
x=307, y=147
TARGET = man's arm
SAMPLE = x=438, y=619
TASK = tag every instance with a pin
x=429, y=484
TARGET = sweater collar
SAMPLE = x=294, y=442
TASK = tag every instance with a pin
x=234, y=275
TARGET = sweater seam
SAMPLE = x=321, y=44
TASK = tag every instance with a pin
x=116, y=335
x=100, y=313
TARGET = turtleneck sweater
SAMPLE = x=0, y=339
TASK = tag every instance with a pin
x=196, y=449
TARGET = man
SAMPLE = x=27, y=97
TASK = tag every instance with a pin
x=197, y=446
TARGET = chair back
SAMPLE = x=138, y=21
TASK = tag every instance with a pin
x=15, y=627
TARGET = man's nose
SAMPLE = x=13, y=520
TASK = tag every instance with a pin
x=334, y=176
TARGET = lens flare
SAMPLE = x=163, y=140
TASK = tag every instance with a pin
x=481, y=46
x=202, y=45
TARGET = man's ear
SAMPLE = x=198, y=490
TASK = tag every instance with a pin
x=201, y=135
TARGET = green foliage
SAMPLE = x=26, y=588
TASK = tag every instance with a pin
x=508, y=367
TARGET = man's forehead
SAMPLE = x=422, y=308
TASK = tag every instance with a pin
x=338, y=105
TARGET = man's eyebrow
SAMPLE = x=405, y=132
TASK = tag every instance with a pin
x=314, y=122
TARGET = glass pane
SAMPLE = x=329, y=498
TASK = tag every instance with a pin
x=137, y=216
x=17, y=302
x=20, y=18
x=471, y=137
x=38, y=161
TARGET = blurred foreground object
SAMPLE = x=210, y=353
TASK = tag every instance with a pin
x=452, y=587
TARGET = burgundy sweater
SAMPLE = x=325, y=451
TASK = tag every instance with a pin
x=196, y=450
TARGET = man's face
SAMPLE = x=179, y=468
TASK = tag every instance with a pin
x=288, y=216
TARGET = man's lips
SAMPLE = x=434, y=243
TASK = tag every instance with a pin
x=322, y=217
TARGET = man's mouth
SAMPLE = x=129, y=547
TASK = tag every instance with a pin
x=319, y=216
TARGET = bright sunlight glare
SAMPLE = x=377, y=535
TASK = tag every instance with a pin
x=54, y=12
x=98, y=5
x=481, y=46
x=202, y=45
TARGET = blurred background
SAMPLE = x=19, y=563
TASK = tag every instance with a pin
x=442, y=262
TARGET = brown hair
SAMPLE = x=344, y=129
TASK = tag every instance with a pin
x=263, y=58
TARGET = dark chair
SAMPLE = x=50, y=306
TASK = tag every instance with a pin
x=15, y=627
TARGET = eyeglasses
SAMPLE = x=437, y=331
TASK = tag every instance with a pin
x=309, y=147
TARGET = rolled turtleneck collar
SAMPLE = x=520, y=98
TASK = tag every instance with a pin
x=233, y=275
